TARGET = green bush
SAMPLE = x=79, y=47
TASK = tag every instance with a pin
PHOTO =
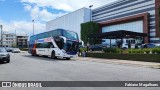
x=135, y=51
x=129, y=51
x=112, y=50
x=24, y=49
x=147, y=50
x=142, y=51
x=83, y=49
x=135, y=57
x=138, y=51
x=156, y=50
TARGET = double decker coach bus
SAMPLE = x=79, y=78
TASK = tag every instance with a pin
x=57, y=43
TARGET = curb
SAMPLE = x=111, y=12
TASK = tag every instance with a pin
x=122, y=62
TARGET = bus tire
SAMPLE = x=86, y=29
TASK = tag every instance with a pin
x=32, y=52
x=53, y=55
x=35, y=53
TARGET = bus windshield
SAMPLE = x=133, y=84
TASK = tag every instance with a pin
x=71, y=47
x=70, y=35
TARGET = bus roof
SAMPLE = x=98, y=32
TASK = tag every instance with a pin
x=51, y=31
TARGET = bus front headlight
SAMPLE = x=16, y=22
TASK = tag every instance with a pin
x=63, y=51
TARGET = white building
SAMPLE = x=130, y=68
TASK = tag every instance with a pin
x=71, y=21
x=8, y=40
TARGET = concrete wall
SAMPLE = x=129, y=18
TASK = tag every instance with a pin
x=71, y=21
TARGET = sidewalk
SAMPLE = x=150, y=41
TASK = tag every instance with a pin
x=124, y=62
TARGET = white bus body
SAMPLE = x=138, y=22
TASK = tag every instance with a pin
x=50, y=48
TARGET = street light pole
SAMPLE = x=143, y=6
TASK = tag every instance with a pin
x=88, y=44
x=15, y=32
x=90, y=12
x=90, y=23
x=33, y=26
x=1, y=34
x=15, y=39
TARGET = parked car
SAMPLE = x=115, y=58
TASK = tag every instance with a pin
x=16, y=50
x=113, y=45
x=9, y=49
x=148, y=45
x=126, y=46
x=96, y=48
x=157, y=44
x=104, y=45
x=4, y=55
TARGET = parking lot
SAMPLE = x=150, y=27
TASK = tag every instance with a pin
x=24, y=67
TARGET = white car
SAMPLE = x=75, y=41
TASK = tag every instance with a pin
x=126, y=46
x=16, y=50
x=157, y=44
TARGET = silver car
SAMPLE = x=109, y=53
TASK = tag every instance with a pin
x=16, y=50
x=4, y=55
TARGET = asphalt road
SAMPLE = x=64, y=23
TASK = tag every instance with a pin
x=24, y=67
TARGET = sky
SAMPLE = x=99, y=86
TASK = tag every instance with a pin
x=18, y=14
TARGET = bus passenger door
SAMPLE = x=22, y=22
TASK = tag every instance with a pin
x=50, y=49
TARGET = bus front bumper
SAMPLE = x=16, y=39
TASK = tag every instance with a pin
x=69, y=56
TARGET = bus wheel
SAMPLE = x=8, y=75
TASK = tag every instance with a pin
x=32, y=53
x=35, y=53
x=53, y=55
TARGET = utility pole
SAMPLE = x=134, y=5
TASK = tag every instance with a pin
x=15, y=39
x=1, y=34
x=15, y=33
x=90, y=32
x=88, y=41
x=90, y=12
x=33, y=26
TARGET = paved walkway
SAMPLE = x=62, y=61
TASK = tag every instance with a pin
x=125, y=62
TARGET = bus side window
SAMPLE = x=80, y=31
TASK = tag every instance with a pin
x=50, y=45
x=37, y=45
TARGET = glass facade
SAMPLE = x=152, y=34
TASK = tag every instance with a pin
x=136, y=26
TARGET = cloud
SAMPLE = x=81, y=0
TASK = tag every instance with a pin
x=22, y=27
x=33, y=6
x=35, y=12
x=67, y=5
x=38, y=11
x=44, y=15
x=41, y=14
x=27, y=7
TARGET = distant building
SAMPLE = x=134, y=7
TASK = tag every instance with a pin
x=8, y=40
x=22, y=41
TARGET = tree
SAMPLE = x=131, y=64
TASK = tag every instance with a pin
x=159, y=18
x=87, y=29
